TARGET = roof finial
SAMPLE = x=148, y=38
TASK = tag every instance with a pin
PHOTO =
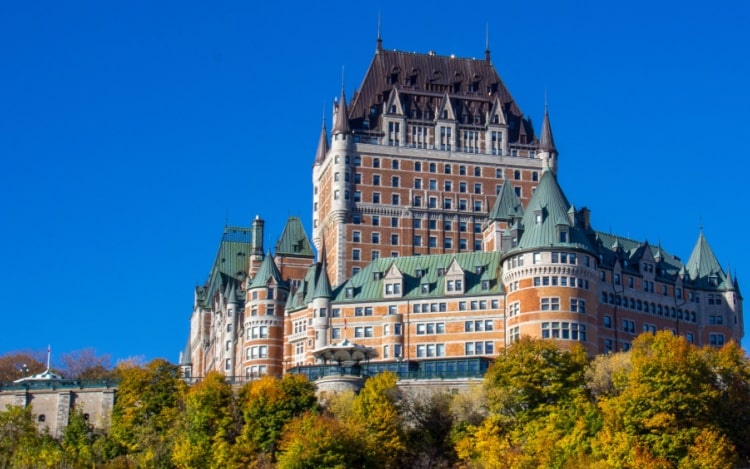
x=379, y=46
x=49, y=354
x=487, y=42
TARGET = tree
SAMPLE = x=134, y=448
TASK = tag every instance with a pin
x=660, y=405
x=77, y=440
x=531, y=375
x=208, y=428
x=429, y=421
x=149, y=402
x=86, y=365
x=22, y=445
x=313, y=440
x=376, y=415
x=270, y=403
x=16, y=365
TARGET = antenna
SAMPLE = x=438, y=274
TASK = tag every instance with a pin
x=379, y=46
x=487, y=42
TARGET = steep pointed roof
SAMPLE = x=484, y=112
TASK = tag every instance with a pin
x=322, y=284
x=341, y=120
x=266, y=272
x=497, y=111
x=231, y=292
x=294, y=240
x=320, y=154
x=185, y=358
x=507, y=204
x=703, y=262
x=546, y=215
x=547, y=142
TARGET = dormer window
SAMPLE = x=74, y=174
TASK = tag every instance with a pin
x=349, y=292
x=479, y=270
x=377, y=275
x=419, y=273
x=538, y=218
x=485, y=285
x=441, y=271
x=424, y=288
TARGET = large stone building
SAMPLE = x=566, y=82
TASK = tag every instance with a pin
x=443, y=236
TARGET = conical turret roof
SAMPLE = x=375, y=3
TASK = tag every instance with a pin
x=507, y=205
x=547, y=142
x=341, y=120
x=267, y=271
x=320, y=154
x=546, y=217
x=703, y=262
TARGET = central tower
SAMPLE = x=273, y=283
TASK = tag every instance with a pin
x=417, y=159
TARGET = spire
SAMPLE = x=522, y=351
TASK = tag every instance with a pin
x=341, y=119
x=379, y=42
x=487, y=43
x=547, y=143
x=323, y=285
x=322, y=144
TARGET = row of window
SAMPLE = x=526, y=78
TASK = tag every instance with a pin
x=564, y=330
x=554, y=281
x=447, y=168
x=577, y=305
x=429, y=328
x=646, y=307
x=479, y=326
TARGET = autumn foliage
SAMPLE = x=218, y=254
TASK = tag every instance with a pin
x=663, y=404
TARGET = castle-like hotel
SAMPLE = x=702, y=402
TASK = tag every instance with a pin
x=442, y=236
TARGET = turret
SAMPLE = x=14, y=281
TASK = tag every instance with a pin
x=321, y=303
x=547, y=150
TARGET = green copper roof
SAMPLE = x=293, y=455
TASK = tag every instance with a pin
x=703, y=262
x=547, y=215
x=267, y=271
x=231, y=262
x=507, y=204
x=294, y=240
x=322, y=285
x=366, y=286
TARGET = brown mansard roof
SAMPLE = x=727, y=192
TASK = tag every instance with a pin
x=471, y=84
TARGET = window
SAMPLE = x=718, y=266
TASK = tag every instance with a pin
x=394, y=239
x=394, y=199
x=477, y=171
x=578, y=305
x=417, y=240
x=432, y=241
x=564, y=331
x=550, y=304
x=608, y=322
x=417, y=183
x=376, y=238
x=716, y=340
x=376, y=162
x=433, y=167
x=376, y=180
x=477, y=188
x=517, y=175
x=417, y=166
x=376, y=197
x=395, y=181
x=394, y=164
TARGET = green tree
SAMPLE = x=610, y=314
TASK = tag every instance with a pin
x=22, y=445
x=208, y=428
x=532, y=375
x=376, y=416
x=78, y=440
x=660, y=405
x=149, y=402
x=270, y=403
x=314, y=441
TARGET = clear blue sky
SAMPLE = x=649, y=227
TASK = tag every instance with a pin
x=130, y=132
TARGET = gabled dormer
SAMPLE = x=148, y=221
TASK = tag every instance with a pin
x=455, y=279
x=394, y=106
x=497, y=116
x=394, y=120
x=393, y=284
x=446, y=111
